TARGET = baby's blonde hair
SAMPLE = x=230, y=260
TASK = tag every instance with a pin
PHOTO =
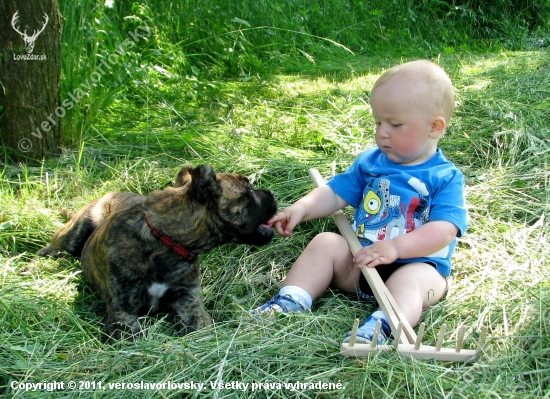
x=434, y=84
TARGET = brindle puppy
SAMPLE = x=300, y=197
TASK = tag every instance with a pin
x=139, y=253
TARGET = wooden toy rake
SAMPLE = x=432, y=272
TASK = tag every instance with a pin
x=405, y=339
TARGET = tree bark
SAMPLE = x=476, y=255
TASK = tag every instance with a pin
x=30, y=78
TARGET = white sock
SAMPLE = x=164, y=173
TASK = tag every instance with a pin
x=297, y=293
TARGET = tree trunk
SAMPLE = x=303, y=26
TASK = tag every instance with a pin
x=30, y=77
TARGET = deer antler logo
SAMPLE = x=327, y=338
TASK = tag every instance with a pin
x=29, y=40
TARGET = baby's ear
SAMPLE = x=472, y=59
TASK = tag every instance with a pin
x=438, y=127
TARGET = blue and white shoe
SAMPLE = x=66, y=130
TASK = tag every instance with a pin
x=280, y=304
x=366, y=332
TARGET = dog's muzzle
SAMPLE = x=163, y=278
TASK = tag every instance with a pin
x=265, y=230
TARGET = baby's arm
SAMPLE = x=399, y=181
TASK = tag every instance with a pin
x=423, y=241
x=319, y=203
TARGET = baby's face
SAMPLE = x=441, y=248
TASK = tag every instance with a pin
x=403, y=122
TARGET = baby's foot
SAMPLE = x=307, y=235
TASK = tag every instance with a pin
x=366, y=331
x=280, y=304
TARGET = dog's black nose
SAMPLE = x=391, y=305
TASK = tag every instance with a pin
x=265, y=231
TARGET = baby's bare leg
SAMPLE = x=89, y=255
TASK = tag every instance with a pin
x=414, y=287
x=326, y=260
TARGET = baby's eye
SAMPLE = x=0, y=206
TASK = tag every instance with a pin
x=396, y=124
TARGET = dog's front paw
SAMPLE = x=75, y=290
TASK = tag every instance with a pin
x=192, y=313
x=203, y=318
x=49, y=251
x=122, y=325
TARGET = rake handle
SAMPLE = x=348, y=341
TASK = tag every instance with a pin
x=381, y=292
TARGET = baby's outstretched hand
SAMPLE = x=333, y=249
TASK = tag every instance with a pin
x=379, y=253
x=285, y=221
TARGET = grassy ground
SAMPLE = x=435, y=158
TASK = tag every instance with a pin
x=273, y=126
x=273, y=130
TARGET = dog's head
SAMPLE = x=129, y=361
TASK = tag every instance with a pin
x=243, y=211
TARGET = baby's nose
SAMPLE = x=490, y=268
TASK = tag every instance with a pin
x=382, y=132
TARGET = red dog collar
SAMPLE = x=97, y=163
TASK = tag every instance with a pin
x=168, y=242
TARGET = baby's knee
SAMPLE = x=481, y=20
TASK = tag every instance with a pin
x=332, y=248
x=329, y=241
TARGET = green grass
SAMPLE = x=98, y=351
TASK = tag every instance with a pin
x=273, y=130
x=195, y=41
x=272, y=125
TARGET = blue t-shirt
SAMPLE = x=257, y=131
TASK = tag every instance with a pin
x=392, y=199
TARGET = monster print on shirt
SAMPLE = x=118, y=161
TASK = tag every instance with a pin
x=385, y=213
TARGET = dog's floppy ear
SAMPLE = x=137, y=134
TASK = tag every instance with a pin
x=204, y=183
x=184, y=176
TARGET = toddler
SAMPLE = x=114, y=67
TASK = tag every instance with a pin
x=409, y=202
